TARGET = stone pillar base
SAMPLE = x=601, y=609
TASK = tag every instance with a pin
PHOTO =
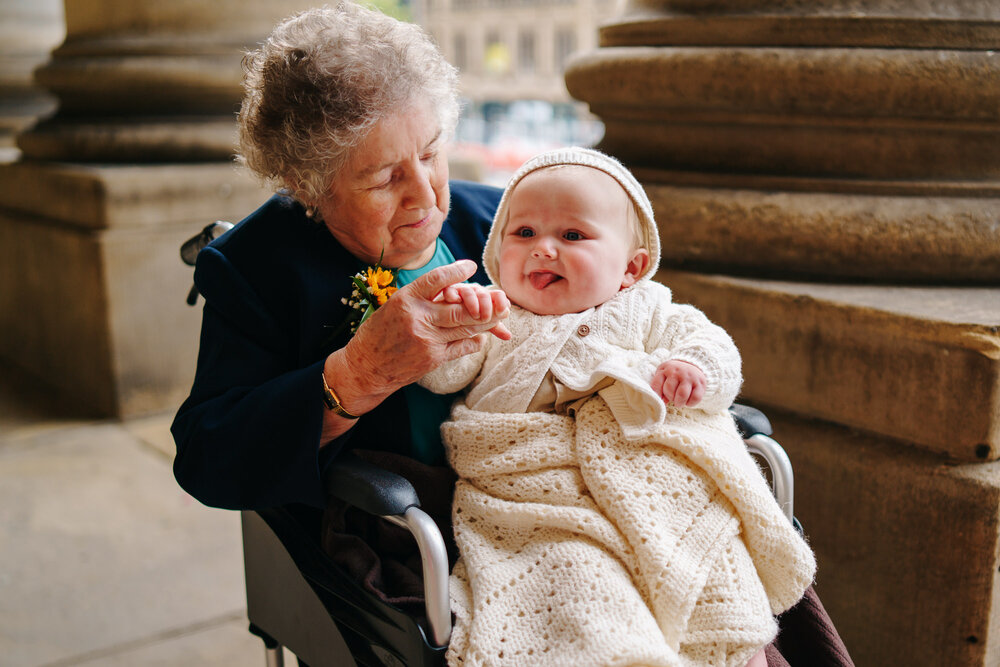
x=92, y=295
x=906, y=545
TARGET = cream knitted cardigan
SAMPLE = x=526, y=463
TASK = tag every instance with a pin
x=625, y=338
x=632, y=534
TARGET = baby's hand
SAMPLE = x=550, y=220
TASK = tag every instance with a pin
x=480, y=303
x=680, y=383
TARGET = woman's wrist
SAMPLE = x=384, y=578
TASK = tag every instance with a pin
x=357, y=389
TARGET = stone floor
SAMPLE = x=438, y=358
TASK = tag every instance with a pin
x=104, y=560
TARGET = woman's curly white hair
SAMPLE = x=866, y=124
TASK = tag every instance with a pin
x=322, y=80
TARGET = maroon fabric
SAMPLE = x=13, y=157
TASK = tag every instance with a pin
x=807, y=637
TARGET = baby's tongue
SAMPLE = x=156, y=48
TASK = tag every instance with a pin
x=542, y=279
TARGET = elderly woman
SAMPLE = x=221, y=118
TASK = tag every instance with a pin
x=348, y=111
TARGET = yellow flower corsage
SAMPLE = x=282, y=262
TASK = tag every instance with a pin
x=372, y=288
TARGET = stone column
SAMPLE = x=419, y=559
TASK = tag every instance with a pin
x=30, y=29
x=826, y=177
x=136, y=160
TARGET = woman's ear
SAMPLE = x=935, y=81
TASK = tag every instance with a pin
x=636, y=267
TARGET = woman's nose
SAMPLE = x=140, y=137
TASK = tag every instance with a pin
x=421, y=191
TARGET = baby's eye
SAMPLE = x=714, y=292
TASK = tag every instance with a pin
x=525, y=232
x=573, y=236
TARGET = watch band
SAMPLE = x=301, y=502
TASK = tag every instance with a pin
x=333, y=401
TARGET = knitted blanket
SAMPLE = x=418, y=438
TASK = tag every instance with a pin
x=582, y=547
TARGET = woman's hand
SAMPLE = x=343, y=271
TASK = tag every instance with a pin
x=414, y=332
x=480, y=302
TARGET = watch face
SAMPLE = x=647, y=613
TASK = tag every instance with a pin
x=328, y=396
x=333, y=401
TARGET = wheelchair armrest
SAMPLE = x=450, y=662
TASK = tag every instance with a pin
x=391, y=496
x=750, y=421
x=368, y=487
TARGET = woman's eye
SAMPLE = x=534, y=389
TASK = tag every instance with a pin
x=573, y=236
x=428, y=157
x=384, y=182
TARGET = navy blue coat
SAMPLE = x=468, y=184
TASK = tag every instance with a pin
x=248, y=435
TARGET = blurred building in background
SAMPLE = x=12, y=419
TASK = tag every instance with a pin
x=512, y=55
x=509, y=50
x=29, y=30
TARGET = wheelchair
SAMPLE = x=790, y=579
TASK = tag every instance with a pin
x=300, y=599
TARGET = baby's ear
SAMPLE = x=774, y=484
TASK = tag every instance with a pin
x=636, y=267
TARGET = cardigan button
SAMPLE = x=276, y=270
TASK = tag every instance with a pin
x=583, y=330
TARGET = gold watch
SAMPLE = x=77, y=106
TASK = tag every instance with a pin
x=333, y=401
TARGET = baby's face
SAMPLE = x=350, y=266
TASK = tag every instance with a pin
x=567, y=244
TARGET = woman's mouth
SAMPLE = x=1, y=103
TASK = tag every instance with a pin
x=542, y=279
x=419, y=223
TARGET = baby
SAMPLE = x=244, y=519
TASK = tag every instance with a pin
x=607, y=511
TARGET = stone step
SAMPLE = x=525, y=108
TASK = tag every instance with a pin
x=918, y=364
x=918, y=233
x=100, y=196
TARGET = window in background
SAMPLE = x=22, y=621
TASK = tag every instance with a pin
x=460, y=56
x=565, y=45
x=526, y=51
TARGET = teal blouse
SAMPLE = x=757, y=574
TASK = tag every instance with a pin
x=427, y=409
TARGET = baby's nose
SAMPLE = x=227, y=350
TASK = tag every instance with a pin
x=544, y=247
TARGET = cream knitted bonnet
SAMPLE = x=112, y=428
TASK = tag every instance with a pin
x=585, y=157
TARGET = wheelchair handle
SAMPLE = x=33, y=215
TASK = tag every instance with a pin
x=434, y=559
x=783, y=480
x=191, y=247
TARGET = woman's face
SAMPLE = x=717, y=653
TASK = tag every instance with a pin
x=391, y=197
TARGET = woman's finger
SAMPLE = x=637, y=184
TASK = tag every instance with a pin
x=450, y=316
x=464, y=346
x=451, y=334
x=432, y=282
